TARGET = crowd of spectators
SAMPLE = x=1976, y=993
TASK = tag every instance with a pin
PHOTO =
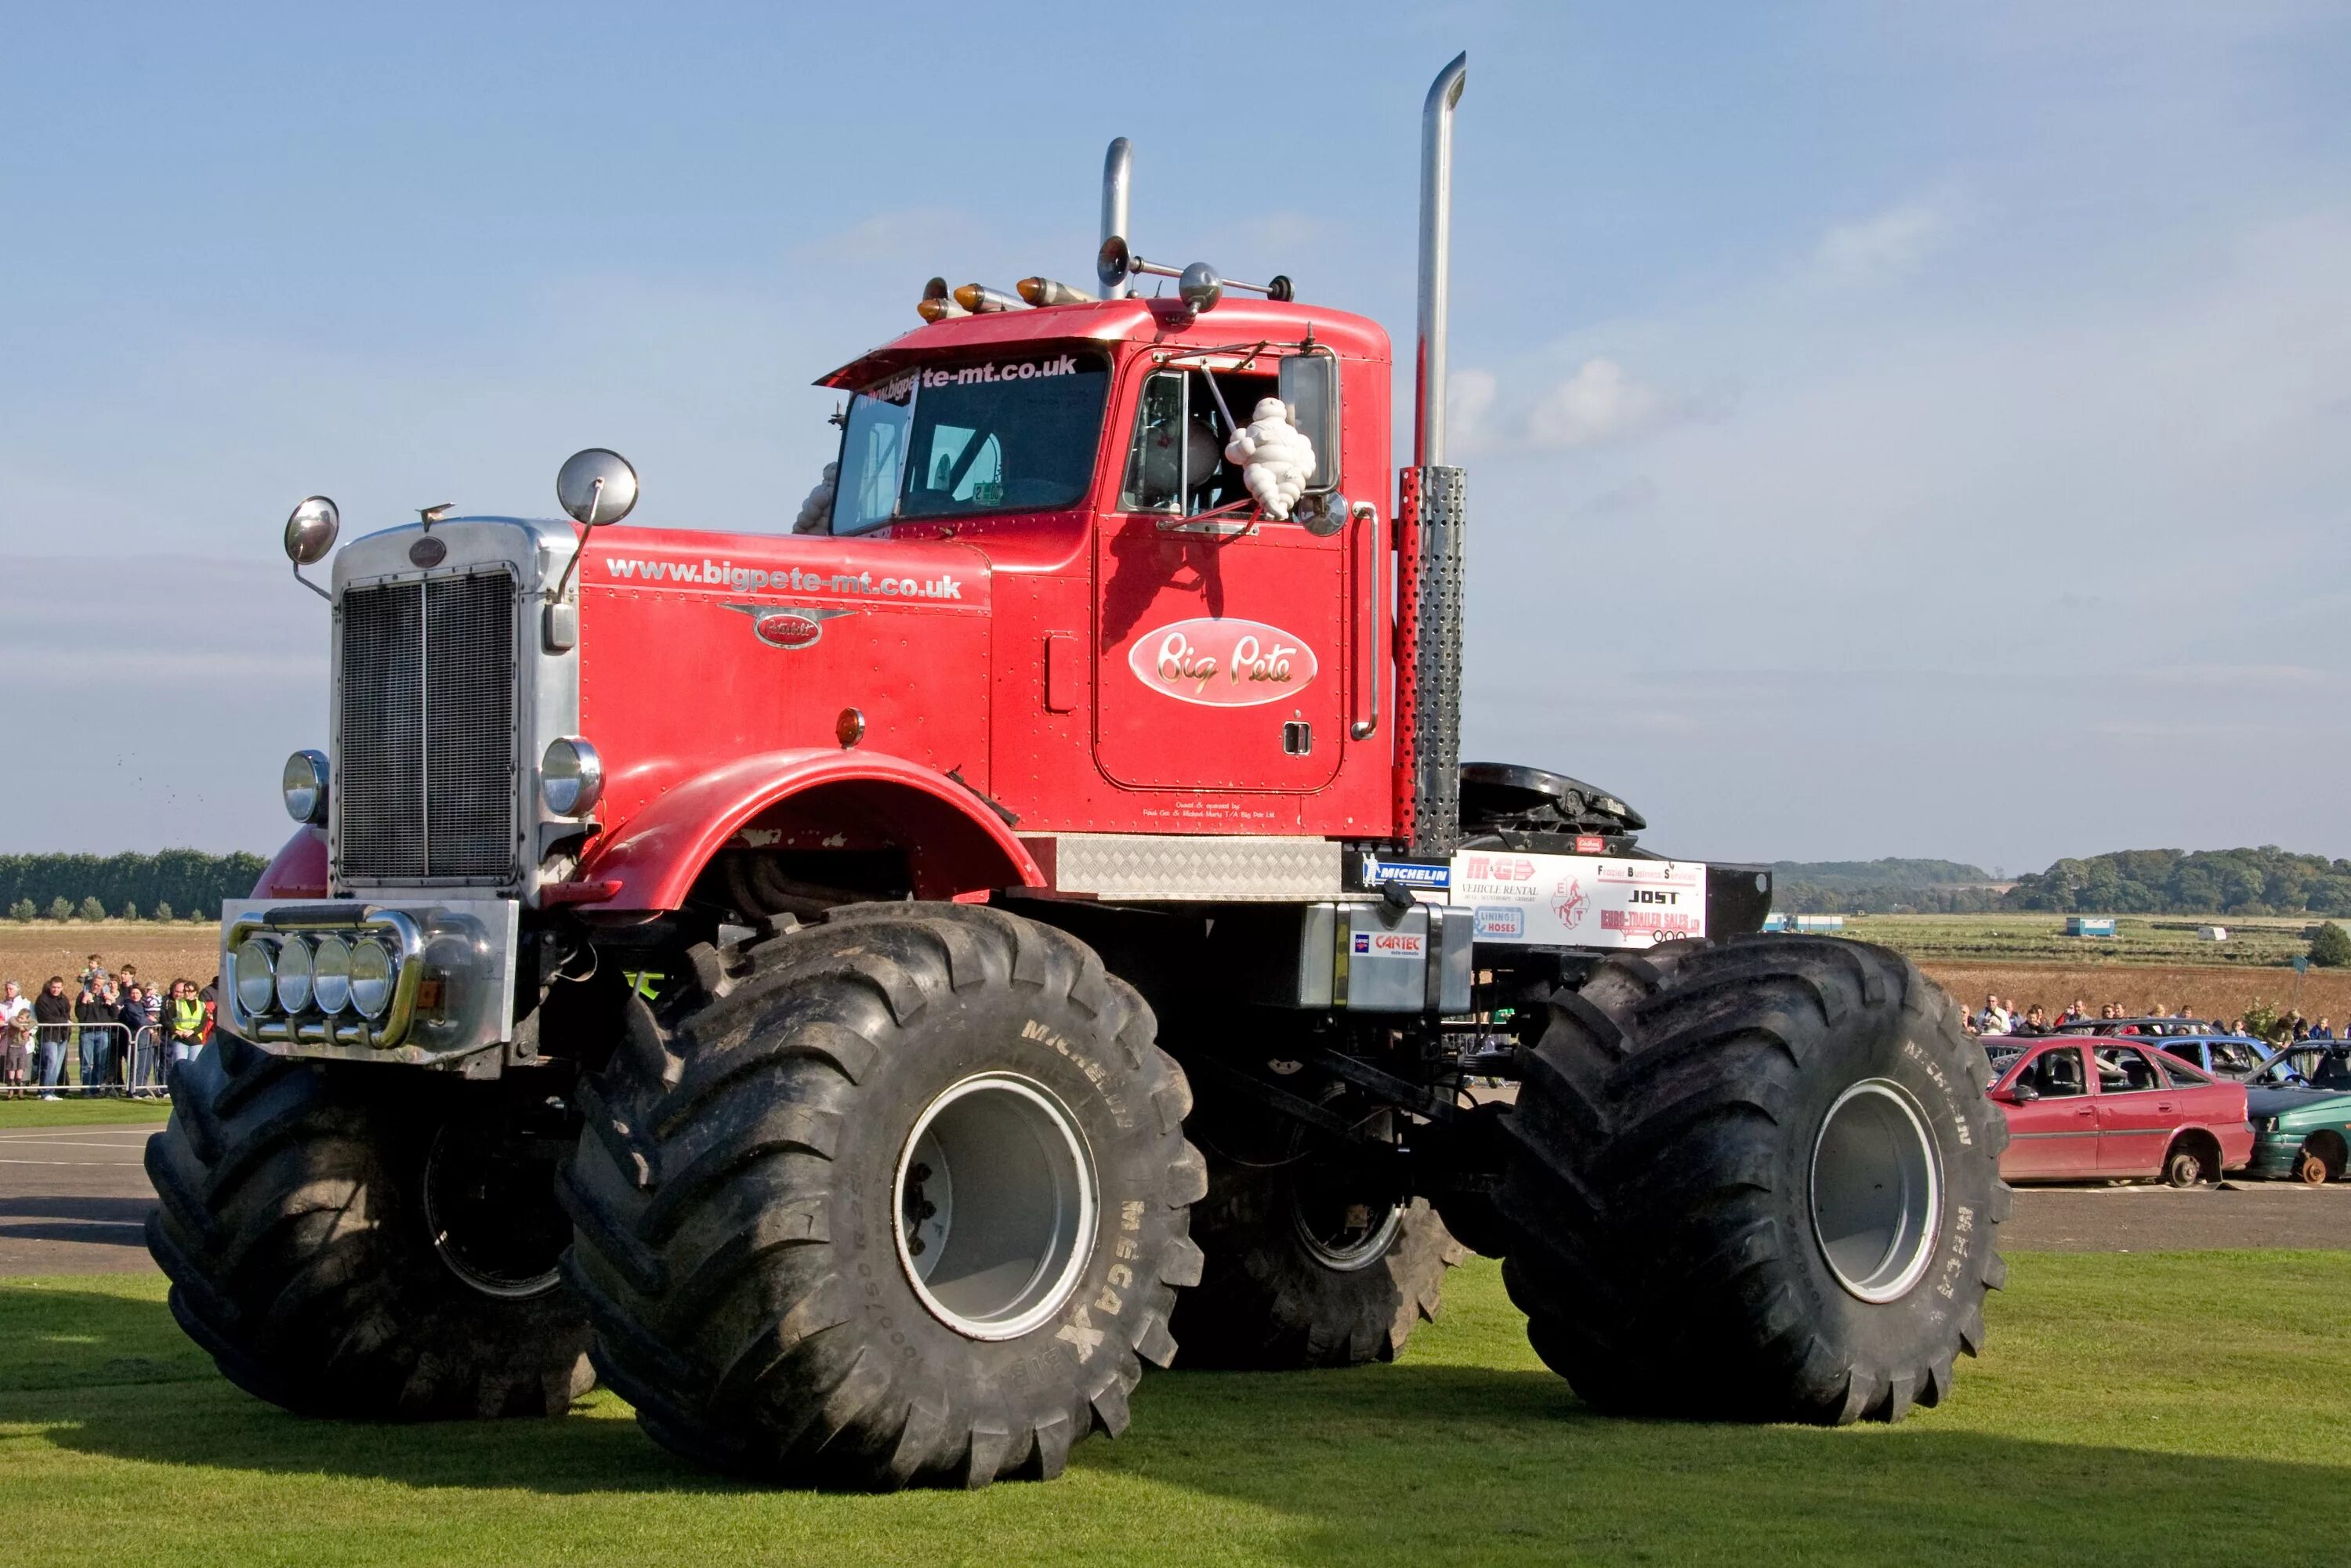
x=2001, y=1015
x=105, y=1032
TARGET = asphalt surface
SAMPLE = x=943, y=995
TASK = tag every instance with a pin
x=74, y=1200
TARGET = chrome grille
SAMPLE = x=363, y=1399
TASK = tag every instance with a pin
x=425, y=784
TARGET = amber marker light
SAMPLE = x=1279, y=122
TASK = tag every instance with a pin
x=981, y=300
x=848, y=728
x=1048, y=291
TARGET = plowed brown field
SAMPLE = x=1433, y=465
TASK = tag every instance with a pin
x=2204, y=990
x=31, y=953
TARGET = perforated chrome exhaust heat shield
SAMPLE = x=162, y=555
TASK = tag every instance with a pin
x=1430, y=518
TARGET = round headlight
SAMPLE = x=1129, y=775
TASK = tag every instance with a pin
x=570, y=777
x=331, y=973
x=254, y=970
x=370, y=978
x=294, y=975
x=304, y=785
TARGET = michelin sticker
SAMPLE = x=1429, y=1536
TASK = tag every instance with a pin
x=1571, y=900
x=1421, y=877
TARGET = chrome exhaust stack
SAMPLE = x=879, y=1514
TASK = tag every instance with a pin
x=1435, y=259
x=1430, y=515
x=1118, y=178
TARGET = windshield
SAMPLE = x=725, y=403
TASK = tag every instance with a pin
x=994, y=436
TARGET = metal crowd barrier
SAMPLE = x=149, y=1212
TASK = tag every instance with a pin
x=136, y=1063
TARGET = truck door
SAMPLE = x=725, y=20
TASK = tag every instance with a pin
x=1220, y=647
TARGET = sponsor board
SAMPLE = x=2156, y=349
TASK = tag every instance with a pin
x=1573, y=901
x=1367, y=871
x=1223, y=663
x=1400, y=943
x=1500, y=922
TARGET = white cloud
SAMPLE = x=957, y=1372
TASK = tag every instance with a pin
x=1883, y=244
x=1599, y=405
x=1468, y=404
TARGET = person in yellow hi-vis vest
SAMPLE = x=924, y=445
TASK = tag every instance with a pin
x=183, y=1021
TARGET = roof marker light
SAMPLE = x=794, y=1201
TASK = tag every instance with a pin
x=935, y=304
x=1047, y=291
x=981, y=300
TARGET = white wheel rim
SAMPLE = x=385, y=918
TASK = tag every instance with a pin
x=993, y=1206
x=1876, y=1191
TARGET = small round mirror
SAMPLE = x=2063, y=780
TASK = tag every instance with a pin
x=596, y=486
x=1200, y=286
x=311, y=531
x=1114, y=264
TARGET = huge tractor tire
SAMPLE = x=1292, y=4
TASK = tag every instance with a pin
x=1307, y=1263
x=1755, y=1181
x=356, y=1241
x=898, y=1199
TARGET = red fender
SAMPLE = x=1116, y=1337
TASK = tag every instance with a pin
x=957, y=844
x=300, y=869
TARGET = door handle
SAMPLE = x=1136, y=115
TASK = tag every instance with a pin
x=1364, y=729
x=2086, y=1111
x=2164, y=1106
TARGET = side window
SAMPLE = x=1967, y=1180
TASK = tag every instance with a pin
x=2137, y=1072
x=1177, y=461
x=2180, y=1075
x=2058, y=1073
x=1154, y=466
x=865, y=494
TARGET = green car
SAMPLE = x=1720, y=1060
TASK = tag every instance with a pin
x=2299, y=1101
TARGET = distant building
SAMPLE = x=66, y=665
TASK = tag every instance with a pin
x=2211, y=933
x=2089, y=926
x=1820, y=923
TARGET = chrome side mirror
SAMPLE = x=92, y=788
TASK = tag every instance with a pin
x=1310, y=385
x=1322, y=515
x=596, y=486
x=311, y=531
x=309, y=534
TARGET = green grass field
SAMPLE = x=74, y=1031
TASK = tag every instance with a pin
x=2137, y=939
x=69, y=1112
x=2131, y=1409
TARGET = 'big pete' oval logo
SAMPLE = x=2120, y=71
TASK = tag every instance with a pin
x=1223, y=664
x=785, y=629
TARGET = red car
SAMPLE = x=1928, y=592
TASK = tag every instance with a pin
x=2099, y=1109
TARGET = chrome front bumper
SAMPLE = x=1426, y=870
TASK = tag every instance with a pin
x=453, y=978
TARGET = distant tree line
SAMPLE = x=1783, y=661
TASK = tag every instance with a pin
x=2264, y=881
x=2246, y=882
x=172, y=885
x=1883, y=887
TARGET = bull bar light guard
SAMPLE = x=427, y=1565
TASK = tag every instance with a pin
x=451, y=977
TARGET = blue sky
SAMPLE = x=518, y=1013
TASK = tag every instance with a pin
x=1894, y=430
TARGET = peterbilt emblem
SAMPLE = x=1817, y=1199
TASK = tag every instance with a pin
x=427, y=551
x=787, y=626
x=1223, y=663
